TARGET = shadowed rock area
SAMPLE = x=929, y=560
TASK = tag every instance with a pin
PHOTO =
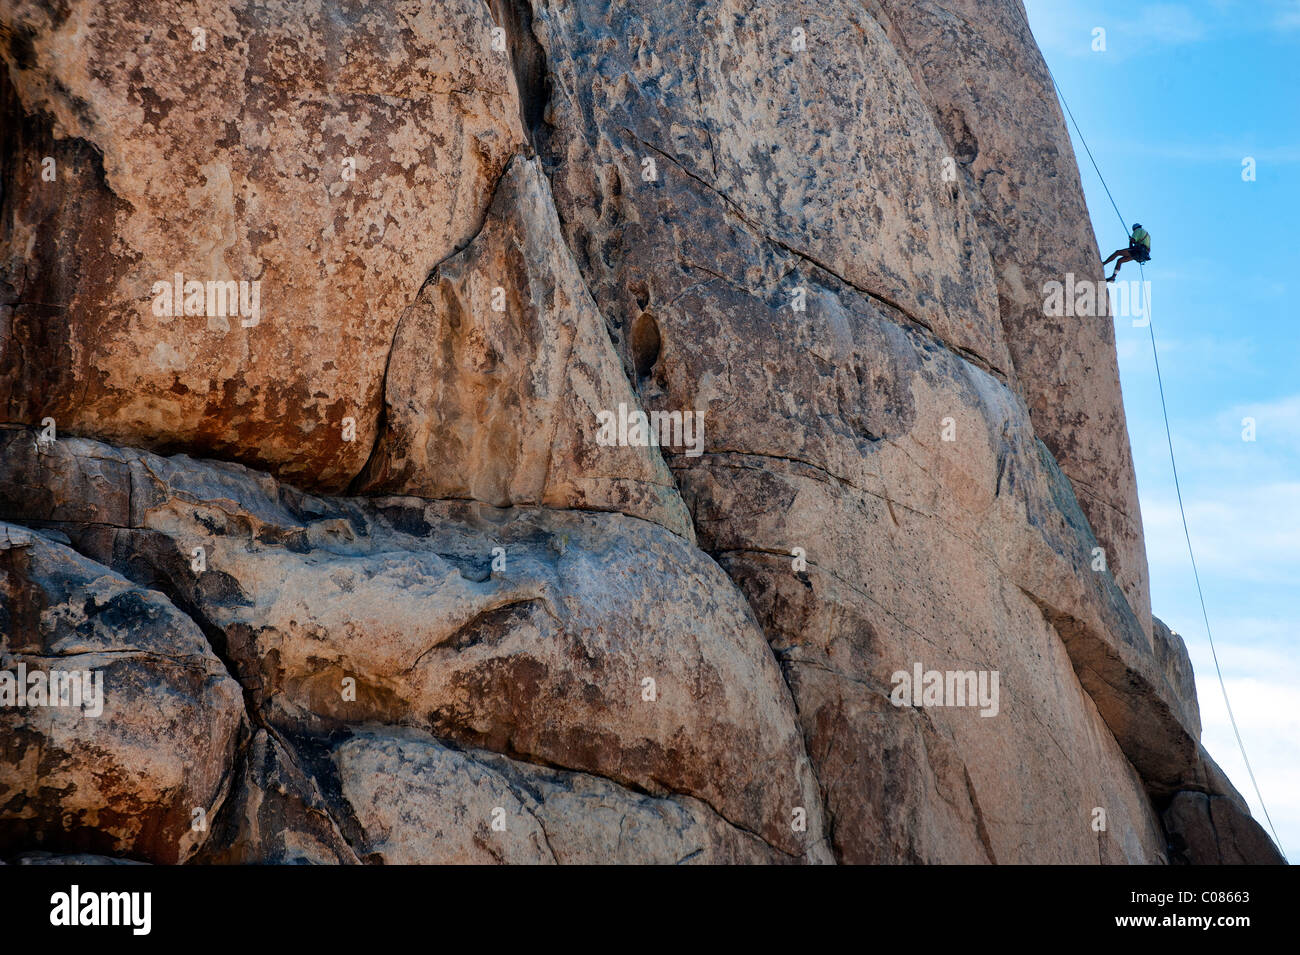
x=369, y=578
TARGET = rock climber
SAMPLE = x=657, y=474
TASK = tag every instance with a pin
x=1139, y=250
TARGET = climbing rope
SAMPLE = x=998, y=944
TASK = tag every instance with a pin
x=1122, y=221
x=1173, y=463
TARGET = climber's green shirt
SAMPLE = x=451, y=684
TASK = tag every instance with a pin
x=1141, y=237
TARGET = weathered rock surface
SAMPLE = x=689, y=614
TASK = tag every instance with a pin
x=338, y=612
x=1171, y=657
x=278, y=813
x=497, y=375
x=333, y=151
x=1215, y=830
x=977, y=66
x=478, y=633
x=420, y=802
x=128, y=780
x=49, y=858
x=825, y=152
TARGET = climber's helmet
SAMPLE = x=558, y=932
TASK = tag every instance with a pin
x=1136, y=226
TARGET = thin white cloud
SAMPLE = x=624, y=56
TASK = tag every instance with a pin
x=1065, y=27
x=1279, y=419
x=1164, y=24
x=1069, y=27
x=1288, y=16
x=1268, y=715
x=1225, y=355
x=1247, y=534
x=1228, y=153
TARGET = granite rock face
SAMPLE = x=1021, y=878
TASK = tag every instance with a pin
x=139, y=743
x=333, y=152
x=597, y=642
x=992, y=96
x=483, y=807
x=498, y=372
x=1213, y=830
x=382, y=555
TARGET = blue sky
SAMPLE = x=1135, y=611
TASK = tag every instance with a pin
x=1182, y=94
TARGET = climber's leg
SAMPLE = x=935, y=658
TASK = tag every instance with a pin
x=1122, y=256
